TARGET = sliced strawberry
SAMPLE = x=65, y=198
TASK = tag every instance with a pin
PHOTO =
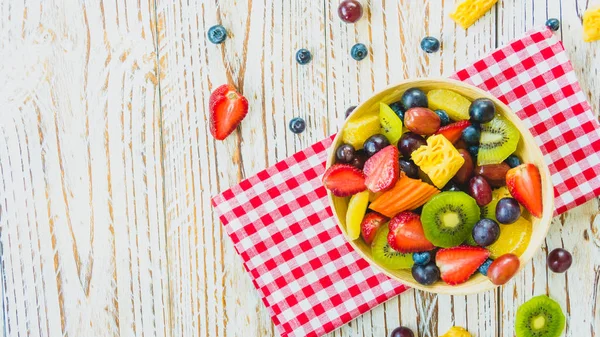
x=344, y=180
x=459, y=263
x=227, y=109
x=382, y=169
x=406, y=234
x=453, y=131
x=370, y=224
x=525, y=184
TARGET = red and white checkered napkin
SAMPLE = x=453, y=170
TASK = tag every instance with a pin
x=308, y=276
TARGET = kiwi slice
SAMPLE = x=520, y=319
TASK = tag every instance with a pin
x=385, y=256
x=541, y=316
x=499, y=139
x=391, y=124
x=448, y=218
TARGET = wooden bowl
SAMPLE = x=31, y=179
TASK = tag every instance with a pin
x=527, y=150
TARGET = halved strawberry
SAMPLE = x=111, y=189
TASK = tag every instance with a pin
x=406, y=234
x=459, y=263
x=370, y=224
x=227, y=109
x=344, y=180
x=525, y=184
x=382, y=169
x=453, y=131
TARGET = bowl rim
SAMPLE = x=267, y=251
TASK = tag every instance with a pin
x=547, y=198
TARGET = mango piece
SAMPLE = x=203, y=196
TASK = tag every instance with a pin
x=469, y=11
x=514, y=238
x=457, y=331
x=357, y=207
x=591, y=24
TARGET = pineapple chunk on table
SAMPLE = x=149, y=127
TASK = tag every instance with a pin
x=591, y=24
x=469, y=11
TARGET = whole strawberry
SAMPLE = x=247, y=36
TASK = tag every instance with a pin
x=227, y=109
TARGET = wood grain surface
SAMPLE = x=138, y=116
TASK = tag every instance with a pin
x=107, y=165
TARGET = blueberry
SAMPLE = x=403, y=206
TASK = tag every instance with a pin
x=375, y=144
x=451, y=187
x=418, y=210
x=217, y=34
x=427, y=274
x=553, y=24
x=483, y=269
x=430, y=44
x=297, y=125
x=482, y=110
x=486, y=232
x=413, y=98
x=513, y=161
x=443, y=117
x=473, y=150
x=349, y=110
x=508, y=211
x=471, y=135
x=422, y=258
x=303, y=56
x=359, y=51
x=398, y=109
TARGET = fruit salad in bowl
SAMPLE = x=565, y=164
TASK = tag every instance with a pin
x=440, y=185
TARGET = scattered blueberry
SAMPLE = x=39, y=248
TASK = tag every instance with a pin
x=398, y=109
x=443, y=117
x=513, y=161
x=430, y=44
x=359, y=51
x=422, y=258
x=473, y=150
x=297, y=125
x=482, y=110
x=413, y=98
x=349, y=110
x=427, y=274
x=217, y=34
x=303, y=56
x=483, y=269
x=471, y=135
x=553, y=24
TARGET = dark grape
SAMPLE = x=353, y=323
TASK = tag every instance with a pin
x=422, y=258
x=349, y=110
x=559, y=260
x=427, y=274
x=344, y=153
x=409, y=142
x=466, y=170
x=480, y=190
x=350, y=11
x=375, y=144
x=444, y=118
x=482, y=110
x=414, y=98
x=410, y=168
x=471, y=134
x=508, y=211
x=486, y=232
x=360, y=157
x=402, y=331
x=451, y=186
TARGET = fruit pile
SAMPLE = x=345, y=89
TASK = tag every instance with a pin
x=434, y=185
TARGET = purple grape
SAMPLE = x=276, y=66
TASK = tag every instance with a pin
x=486, y=232
x=410, y=168
x=508, y=211
x=402, y=331
x=480, y=190
x=409, y=142
x=375, y=144
x=360, y=157
x=559, y=260
x=344, y=154
x=349, y=110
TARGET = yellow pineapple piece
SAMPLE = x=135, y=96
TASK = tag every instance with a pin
x=358, y=130
x=469, y=11
x=455, y=104
x=591, y=24
x=439, y=159
x=457, y=331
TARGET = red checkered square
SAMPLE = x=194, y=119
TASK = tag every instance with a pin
x=280, y=222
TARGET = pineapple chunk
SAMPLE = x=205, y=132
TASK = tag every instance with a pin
x=358, y=130
x=439, y=159
x=591, y=24
x=456, y=105
x=469, y=11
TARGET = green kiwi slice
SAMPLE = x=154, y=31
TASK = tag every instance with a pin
x=448, y=218
x=385, y=256
x=499, y=139
x=541, y=316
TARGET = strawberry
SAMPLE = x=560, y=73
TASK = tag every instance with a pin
x=525, y=184
x=370, y=224
x=453, y=131
x=344, y=180
x=457, y=264
x=227, y=109
x=382, y=169
x=406, y=234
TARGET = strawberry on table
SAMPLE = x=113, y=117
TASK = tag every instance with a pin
x=525, y=184
x=344, y=180
x=453, y=131
x=382, y=169
x=459, y=263
x=406, y=234
x=227, y=109
x=370, y=224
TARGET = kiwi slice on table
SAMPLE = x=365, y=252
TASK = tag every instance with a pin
x=541, y=316
x=448, y=218
x=384, y=255
x=499, y=139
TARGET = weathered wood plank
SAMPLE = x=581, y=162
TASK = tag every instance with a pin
x=83, y=249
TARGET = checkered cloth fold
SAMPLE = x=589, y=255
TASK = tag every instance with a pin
x=280, y=222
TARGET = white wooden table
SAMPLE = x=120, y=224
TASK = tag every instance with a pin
x=107, y=165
